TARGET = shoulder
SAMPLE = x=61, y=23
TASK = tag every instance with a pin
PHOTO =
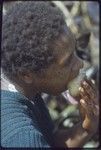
x=18, y=129
x=25, y=137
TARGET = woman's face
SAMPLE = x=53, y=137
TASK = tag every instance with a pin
x=65, y=68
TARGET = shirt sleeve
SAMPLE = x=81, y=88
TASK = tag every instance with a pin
x=26, y=138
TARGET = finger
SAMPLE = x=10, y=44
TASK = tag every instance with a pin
x=87, y=86
x=89, y=90
x=90, y=104
x=82, y=111
x=83, y=94
x=96, y=110
x=88, y=109
x=91, y=95
x=90, y=82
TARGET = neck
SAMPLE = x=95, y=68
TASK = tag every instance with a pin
x=27, y=91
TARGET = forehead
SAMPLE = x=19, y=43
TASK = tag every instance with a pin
x=65, y=43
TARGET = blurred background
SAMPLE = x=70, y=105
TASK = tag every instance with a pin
x=81, y=17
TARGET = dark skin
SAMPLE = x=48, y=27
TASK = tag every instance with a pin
x=89, y=110
x=55, y=79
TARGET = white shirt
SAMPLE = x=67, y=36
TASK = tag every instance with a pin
x=6, y=85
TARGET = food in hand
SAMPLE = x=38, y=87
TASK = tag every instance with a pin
x=74, y=85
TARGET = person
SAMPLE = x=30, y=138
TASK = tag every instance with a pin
x=38, y=56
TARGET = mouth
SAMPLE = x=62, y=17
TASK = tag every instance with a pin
x=72, y=77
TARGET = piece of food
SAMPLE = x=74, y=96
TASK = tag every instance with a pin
x=74, y=85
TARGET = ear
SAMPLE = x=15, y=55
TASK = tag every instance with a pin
x=83, y=40
x=26, y=77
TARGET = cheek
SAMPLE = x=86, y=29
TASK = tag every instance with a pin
x=74, y=67
x=59, y=80
x=76, y=64
x=62, y=74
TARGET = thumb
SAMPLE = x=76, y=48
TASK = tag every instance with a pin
x=88, y=115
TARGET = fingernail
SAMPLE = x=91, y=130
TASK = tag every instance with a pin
x=82, y=101
x=84, y=82
x=81, y=89
x=92, y=81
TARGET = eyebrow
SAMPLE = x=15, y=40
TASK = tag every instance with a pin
x=64, y=59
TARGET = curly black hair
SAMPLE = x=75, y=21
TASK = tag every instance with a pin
x=27, y=33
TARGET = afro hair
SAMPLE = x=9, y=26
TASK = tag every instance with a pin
x=28, y=29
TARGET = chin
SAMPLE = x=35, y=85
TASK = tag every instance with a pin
x=58, y=92
x=63, y=90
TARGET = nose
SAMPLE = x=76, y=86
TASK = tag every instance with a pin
x=79, y=61
x=81, y=64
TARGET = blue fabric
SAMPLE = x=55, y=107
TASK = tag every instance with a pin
x=24, y=126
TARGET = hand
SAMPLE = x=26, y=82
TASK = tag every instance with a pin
x=89, y=107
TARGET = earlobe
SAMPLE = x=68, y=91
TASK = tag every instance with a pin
x=28, y=79
x=25, y=77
